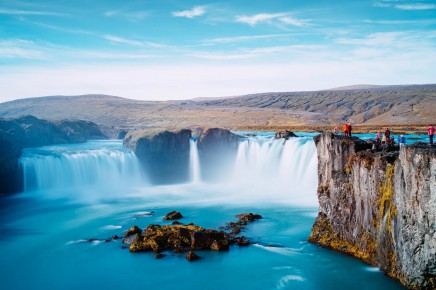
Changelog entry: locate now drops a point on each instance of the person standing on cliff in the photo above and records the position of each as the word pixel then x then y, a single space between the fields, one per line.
pixel 387 133
pixel 430 134
pixel 349 129
pixel 346 133
pixel 336 130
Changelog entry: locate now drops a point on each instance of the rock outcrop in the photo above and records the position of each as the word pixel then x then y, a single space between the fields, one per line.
pixel 379 206
pixel 217 149
pixel 284 134
pixel 29 131
pixel 164 155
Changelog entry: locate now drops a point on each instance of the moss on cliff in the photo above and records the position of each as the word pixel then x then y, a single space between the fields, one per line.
pixel 362 247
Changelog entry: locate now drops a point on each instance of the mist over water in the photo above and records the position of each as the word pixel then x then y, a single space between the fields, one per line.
pixel 264 170
pixel 98 189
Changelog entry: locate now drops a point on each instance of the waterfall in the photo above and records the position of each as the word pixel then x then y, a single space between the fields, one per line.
pixel 277 167
pixel 264 169
pixel 102 166
pixel 194 162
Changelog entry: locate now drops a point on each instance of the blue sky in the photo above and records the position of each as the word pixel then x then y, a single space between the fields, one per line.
pixel 168 49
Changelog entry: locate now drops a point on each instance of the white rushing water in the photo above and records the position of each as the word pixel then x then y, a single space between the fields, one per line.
pixel 194 164
pixel 95 167
pixel 264 170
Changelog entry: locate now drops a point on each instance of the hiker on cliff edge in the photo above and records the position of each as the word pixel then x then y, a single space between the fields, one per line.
pixel 346 132
pixel 430 134
pixel 349 129
pixel 387 133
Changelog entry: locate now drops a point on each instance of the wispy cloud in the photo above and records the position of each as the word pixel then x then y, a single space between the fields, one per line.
pixel 129 15
pixel 255 52
pixel 280 18
pixel 418 6
pixel 245 38
pixel 54 27
pixel 258 18
pixel 122 40
pixel 194 12
pixel 29 12
pixel 411 6
pixel 20 49
pixel 402 22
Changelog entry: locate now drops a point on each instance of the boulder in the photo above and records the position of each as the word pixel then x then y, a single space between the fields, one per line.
pixel 191 256
pixel 133 230
pixel 174 215
pixel 284 134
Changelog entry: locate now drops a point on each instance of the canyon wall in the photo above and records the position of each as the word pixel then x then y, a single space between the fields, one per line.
pixel 379 206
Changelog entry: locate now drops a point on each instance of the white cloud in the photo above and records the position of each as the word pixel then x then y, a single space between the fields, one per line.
pixel 29 12
pixel 244 38
pixel 277 18
pixel 416 6
pixel 129 15
pixel 122 40
pixel 262 17
pixel 20 49
pixel 194 12
pixel 293 21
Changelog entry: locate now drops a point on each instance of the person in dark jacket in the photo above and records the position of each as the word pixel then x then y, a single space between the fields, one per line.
pixel 387 133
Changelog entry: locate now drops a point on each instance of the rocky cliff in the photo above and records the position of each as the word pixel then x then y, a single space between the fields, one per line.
pixel 29 131
pixel 164 155
pixel 379 207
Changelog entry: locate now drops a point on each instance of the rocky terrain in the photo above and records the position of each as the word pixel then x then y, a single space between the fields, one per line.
pixel 370 106
pixel 379 206
pixel 29 131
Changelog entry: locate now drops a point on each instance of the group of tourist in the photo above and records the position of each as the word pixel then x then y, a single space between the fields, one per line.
pixel 385 138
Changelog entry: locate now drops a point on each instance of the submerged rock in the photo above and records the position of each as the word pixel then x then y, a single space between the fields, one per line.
pixel 174 215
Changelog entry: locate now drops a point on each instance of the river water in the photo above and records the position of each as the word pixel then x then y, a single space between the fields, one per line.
pixel 94 190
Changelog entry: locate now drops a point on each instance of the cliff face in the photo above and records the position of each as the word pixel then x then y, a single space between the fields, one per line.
pixel 164 155
pixel 29 131
pixel 379 208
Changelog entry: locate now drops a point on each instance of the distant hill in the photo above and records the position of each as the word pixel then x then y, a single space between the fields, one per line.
pixel 374 105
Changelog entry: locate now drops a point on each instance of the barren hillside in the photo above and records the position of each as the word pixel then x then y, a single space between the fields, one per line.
pixel 400 105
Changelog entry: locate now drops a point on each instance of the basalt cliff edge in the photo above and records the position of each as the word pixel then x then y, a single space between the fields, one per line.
pixel 379 206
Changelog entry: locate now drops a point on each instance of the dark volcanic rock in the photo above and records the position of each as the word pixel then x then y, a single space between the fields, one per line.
pixel 183 238
pixel 164 155
pixel 174 215
pixel 217 149
pixel 285 134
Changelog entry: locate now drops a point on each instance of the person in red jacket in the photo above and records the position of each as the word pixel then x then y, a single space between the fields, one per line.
pixel 346 133
pixel 431 133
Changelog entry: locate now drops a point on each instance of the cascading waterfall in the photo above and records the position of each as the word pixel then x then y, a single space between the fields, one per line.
pixel 103 166
pixel 278 167
pixel 264 169
pixel 194 162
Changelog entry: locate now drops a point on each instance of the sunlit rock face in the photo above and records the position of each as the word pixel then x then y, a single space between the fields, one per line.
pixel 164 155
pixel 29 131
pixel 379 207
